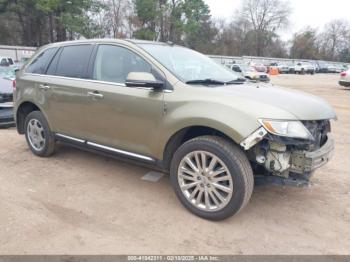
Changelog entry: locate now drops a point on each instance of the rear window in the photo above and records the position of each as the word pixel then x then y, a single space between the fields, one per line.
pixel 39 65
pixel 10 61
pixel 73 61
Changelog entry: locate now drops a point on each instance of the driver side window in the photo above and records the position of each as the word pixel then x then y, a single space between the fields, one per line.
pixel 114 63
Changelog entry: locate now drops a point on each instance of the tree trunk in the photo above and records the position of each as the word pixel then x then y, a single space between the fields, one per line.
pixel 51 28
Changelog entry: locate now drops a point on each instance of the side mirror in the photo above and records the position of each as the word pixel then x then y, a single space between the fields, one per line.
pixel 143 79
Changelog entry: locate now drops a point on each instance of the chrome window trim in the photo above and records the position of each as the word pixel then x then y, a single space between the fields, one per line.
pixel 77 79
pixel 95 81
pixel 71 138
pixel 120 151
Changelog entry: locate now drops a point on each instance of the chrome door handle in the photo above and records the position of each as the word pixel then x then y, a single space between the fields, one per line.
pixel 44 86
pixel 95 94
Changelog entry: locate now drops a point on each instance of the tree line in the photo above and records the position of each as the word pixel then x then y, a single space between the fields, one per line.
pixel 254 29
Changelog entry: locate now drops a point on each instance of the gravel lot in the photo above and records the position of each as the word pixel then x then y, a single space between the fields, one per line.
pixel 80 203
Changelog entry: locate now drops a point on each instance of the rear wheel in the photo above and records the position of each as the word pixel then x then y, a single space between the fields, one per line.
pixel 211 177
pixel 39 137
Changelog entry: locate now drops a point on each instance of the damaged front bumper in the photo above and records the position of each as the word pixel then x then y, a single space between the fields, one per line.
pixel 304 162
pixel 286 161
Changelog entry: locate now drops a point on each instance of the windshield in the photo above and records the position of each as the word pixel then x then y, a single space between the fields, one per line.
pixel 189 65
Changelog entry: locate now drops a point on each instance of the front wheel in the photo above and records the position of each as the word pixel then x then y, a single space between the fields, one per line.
pixel 212 177
pixel 39 137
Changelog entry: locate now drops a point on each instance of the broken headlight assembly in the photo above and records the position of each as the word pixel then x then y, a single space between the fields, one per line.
pixel 294 129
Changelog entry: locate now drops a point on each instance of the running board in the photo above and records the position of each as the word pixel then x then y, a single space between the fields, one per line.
pixel 87 144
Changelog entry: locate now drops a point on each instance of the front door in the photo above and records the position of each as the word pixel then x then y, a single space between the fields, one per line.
pixel 118 117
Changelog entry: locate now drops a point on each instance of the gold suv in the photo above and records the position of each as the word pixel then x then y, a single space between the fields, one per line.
pixel 176 110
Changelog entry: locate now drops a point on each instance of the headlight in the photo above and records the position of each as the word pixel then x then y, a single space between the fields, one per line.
pixel 286 128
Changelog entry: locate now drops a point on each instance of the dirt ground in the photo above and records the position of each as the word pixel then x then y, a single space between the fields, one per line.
pixel 80 203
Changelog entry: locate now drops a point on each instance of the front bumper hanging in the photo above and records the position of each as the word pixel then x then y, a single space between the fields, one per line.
pixel 304 162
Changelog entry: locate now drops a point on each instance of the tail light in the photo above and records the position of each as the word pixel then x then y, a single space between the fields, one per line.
pixel 14 85
pixel 343 74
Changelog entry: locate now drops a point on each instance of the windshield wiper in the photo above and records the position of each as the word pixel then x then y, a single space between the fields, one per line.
pixel 237 81
pixel 205 82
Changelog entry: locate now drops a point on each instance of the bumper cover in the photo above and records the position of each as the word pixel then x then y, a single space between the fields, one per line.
pixel 6 117
pixel 344 83
pixel 305 162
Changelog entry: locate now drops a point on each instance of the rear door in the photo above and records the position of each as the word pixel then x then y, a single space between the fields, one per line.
pixel 118 116
pixel 63 87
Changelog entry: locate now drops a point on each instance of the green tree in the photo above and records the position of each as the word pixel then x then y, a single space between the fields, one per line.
pixel 147 14
pixel 43 21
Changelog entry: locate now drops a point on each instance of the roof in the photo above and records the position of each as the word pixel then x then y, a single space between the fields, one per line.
pixel 107 40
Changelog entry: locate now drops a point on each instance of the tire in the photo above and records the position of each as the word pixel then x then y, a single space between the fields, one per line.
pixel 43 142
pixel 239 177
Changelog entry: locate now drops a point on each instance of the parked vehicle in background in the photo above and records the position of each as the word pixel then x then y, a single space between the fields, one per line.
pixel 339 68
pixel 6 61
pixel 316 66
pixel 259 67
pixel 291 67
pixel 7 85
pixel 282 68
pixel 6 114
pixel 250 73
pixel 304 68
pixel 322 67
pixel 331 68
pixel 345 78
pixel 174 109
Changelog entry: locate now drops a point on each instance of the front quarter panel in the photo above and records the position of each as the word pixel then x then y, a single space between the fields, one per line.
pixel 186 109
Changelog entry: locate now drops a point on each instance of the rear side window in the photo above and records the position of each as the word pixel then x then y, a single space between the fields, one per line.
pixel 38 66
pixel 73 61
pixel 3 62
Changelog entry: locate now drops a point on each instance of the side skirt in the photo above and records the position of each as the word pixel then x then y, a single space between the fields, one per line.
pixel 107 151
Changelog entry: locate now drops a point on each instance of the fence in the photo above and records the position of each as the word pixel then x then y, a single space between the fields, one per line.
pixel 16 52
pixel 266 60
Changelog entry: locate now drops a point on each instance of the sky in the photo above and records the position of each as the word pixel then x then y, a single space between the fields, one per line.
pixel 314 13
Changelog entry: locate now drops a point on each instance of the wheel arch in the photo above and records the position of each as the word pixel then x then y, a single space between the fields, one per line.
pixel 25 108
pixel 185 134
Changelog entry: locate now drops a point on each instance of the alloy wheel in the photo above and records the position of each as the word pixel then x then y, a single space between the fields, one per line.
pixel 205 181
pixel 36 134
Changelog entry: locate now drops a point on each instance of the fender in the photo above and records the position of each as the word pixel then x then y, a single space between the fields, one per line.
pixel 219 117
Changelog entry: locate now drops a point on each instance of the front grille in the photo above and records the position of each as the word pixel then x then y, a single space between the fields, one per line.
pixel 319 130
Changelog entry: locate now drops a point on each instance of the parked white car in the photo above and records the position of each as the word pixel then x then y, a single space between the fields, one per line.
pixel 345 78
pixel 250 73
pixel 304 68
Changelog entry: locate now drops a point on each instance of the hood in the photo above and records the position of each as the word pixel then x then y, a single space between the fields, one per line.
pixel 266 100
